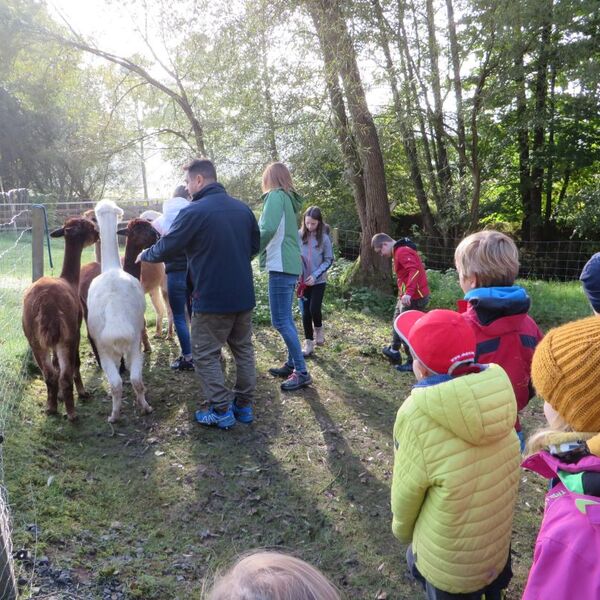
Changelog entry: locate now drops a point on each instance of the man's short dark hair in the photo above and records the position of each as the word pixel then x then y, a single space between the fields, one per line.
pixel 201 166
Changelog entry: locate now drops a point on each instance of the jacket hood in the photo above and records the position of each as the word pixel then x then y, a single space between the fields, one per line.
pixel 479 408
pixel 547 465
pixel 171 208
pixel 294 196
pixel 493 303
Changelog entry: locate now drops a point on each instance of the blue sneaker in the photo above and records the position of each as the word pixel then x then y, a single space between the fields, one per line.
pixel 243 414
pixel 405 368
pixel 521 437
pixel 211 417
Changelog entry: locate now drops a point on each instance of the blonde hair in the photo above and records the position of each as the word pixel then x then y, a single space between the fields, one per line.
pixel 379 239
pixel 277 175
pixel 273 576
pixel 490 256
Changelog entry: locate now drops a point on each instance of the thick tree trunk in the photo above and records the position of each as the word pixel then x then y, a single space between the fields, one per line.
pixel 373 269
pixel 408 139
pixel 341 124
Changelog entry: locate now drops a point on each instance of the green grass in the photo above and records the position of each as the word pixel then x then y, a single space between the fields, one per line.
pixel 158 503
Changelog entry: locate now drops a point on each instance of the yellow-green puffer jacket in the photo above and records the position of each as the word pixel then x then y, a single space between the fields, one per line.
pixel 456 473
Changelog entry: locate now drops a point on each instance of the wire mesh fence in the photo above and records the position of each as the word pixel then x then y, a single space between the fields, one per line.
pixel 557 260
pixel 15 276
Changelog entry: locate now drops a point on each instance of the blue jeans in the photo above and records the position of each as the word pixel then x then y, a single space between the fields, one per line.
pixel 179 299
pixel 282 288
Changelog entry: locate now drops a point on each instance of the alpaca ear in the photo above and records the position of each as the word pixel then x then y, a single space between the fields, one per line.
pixel 124 231
pixel 58 232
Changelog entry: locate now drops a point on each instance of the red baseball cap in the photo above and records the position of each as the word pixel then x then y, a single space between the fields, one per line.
pixel 441 339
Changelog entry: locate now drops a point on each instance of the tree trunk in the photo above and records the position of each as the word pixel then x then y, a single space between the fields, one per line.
pixel 550 170
pixel 412 100
pixel 537 148
pixel 460 119
pixel 341 125
pixel 523 142
pixel 269 112
pixel 373 269
pixel 408 139
pixel 475 164
pixel 438 115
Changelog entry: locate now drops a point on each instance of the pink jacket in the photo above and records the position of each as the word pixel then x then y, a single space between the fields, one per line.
pixel 565 561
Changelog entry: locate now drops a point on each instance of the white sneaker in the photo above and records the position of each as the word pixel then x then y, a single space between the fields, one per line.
pixel 319 336
pixel 308 347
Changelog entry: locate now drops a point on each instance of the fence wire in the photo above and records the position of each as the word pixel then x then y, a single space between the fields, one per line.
pixel 15 276
pixel 560 260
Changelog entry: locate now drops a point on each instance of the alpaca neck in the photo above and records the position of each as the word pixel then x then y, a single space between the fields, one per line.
pixel 107 223
pixel 98 251
pixel 72 261
pixel 129 265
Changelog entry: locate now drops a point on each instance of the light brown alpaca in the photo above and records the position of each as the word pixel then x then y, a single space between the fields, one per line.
pixel 52 315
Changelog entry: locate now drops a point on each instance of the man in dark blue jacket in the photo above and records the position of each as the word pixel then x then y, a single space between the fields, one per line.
pixel 219 235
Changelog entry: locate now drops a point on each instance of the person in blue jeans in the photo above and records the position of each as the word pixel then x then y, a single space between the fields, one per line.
pixel 280 256
pixel 177 280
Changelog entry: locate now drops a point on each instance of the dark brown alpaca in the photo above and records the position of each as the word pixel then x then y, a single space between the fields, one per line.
pixel 52 315
pixel 140 235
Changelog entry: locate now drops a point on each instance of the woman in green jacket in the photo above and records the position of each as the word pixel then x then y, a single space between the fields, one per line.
pixel 280 256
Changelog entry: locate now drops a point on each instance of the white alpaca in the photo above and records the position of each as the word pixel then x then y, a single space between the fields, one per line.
pixel 116 306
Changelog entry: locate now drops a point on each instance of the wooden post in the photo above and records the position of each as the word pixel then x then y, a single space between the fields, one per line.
pixel 37 241
pixel 335 236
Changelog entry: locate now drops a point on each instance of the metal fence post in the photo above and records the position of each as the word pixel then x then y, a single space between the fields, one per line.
pixel 38 222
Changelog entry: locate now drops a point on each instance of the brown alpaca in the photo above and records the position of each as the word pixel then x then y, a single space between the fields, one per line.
pixel 141 235
pixel 52 315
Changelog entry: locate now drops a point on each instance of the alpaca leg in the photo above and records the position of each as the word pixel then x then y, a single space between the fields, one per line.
pixel 94 349
pixel 166 302
pixel 136 365
pixel 159 308
pixel 116 386
pixel 65 379
pixel 81 391
pixel 145 339
pixel 45 363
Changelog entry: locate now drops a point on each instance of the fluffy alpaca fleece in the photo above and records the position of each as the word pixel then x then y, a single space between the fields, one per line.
pixel 116 306
pixel 52 317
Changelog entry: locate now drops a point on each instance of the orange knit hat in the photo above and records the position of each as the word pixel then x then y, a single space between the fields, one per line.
pixel 565 371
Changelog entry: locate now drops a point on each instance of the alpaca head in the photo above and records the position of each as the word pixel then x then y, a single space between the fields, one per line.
pixel 107 207
pixel 140 232
pixel 80 229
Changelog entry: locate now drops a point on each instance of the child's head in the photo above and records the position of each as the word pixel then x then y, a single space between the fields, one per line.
pixel 564 372
pixel 590 280
pixel 312 222
pixel 383 244
pixel 441 341
pixel 486 259
pixel 273 576
pixel 181 191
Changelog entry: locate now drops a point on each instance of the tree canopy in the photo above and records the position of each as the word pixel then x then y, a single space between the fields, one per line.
pixel 459 112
